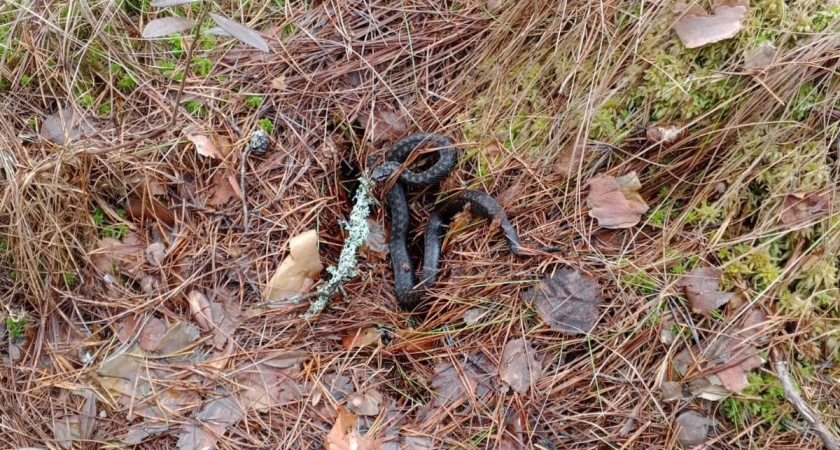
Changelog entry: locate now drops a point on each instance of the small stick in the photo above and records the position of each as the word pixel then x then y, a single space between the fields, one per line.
pixel 799 404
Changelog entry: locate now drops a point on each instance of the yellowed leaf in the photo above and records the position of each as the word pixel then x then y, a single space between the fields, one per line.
pixel 298 269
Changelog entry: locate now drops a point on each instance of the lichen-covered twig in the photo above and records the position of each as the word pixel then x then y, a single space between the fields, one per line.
pixel 793 397
pixel 345 271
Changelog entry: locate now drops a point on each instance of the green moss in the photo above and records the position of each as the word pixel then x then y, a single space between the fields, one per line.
pixel 16 326
pixel 266 125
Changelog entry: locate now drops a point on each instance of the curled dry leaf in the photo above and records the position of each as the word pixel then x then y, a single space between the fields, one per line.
pixel 568 301
pixel 141 209
pixel 213 420
pixel 664 133
pixel 205 145
pixel 693 428
pixel 799 207
pixel 615 202
pixel 166 25
pixel 365 404
pixel 225 186
pixel 361 337
pixel 298 270
pixel 155 253
pixel 701 288
pixel 200 310
pixel 285 360
pixel 696 28
pixel 518 366
pixel 760 58
pixel 66 125
pixel 375 244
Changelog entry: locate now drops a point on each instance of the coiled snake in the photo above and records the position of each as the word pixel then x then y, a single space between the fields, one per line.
pixel 409 293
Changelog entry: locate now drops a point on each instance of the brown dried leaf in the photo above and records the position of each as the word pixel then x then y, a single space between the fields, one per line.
pixel 66 125
pixel 205 145
pixel 87 416
pixel 375 244
pixel 302 264
pixel 127 255
pixel 141 209
pixel 66 431
pixel 417 443
pixel 288 359
pixel 568 301
pixel 213 419
pixel 138 433
pixel 200 310
pixel 696 28
pixel 338 438
pixel 570 160
pixel 365 404
pixel 671 391
pixel 384 124
pixel 226 319
pixel 760 58
pixel 615 202
pixel 177 338
pixel 693 428
pixel 241 33
pixel 279 83
pixel 361 337
pixel 708 388
pixel 448 385
pixel 518 366
pixel 264 387
pixel 152 334
pixel 225 187
pixel 726 361
pixel 155 253
pixel 701 288
pixel 799 207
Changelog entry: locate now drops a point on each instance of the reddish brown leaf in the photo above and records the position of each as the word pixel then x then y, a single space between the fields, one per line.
pixel 615 202
pixel 140 210
pixel 263 387
pixel 177 338
pixel 518 366
pixel 361 337
pixel 338 438
pixel 152 334
pixel 701 288
pixel 568 301
pixel 205 145
pixel 127 255
pixel 696 28
pixel 285 360
pixel 225 187
pixel 799 207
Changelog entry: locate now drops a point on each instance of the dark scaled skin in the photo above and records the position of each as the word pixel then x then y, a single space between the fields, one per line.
pixel 409 293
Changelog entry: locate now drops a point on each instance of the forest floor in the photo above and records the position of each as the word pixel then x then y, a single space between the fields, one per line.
pixel 148 244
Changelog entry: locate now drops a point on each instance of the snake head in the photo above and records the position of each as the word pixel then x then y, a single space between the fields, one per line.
pixel 384 171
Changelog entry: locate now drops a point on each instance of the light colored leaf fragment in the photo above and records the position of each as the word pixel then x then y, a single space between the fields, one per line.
pixel 225 187
pixel 799 207
pixel 693 428
pixel 696 28
pixel 167 3
pixel 217 31
pixel 213 419
pixel 166 26
pixel 205 145
pixel 299 268
pixel 66 125
pixel 615 202
pixel 518 366
pixel 177 338
pixel 200 310
pixel 365 404
pixel 568 301
pixel 152 334
pixel 286 360
pixel 155 253
pixel 701 288
pixel 671 391
pixel 760 58
pixel 241 32
pixel 361 337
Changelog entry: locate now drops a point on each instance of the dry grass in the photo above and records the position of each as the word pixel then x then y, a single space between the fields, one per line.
pixel 519 86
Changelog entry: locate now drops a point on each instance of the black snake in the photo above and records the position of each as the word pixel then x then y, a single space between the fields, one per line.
pixel 481 204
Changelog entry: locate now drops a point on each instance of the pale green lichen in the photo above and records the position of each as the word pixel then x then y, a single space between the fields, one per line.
pixel 345 271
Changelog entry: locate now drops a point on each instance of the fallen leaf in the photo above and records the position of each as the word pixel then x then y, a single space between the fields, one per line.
pixel 671 391
pixel 473 315
pixel 384 124
pixel 760 58
pixel 702 289
pixel 205 145
pixel 361 337
pixel 375 244
pixel 615 202
pixel 155 253
pixel 344 436
pixel 140 432
pixel 87 416
pixel 166 25
pixel 708 388
pixel 126 255
pixel 141 209
pixel 518 366
pixel 570 160
pixel 264 387
pixel 226 319
pixel 696 28
pixel 568 301
pixel 365 404
pixel 302 264
pixel 693 428
pixel 798 207
pixel 177 338
pixel 285 360
pixel 417 443
pixel 200 310
pixel 241 32
pixel 225 187
pixel 450 387
pixel 664 133
pixel 66 125
pixel 725 359
pixel 214 419
pixel 217 31
pixel 66 431
pixel 167 3
pixel 279 83
pixel 152 334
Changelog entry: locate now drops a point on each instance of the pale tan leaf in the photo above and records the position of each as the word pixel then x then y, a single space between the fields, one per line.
pixel 87 416
pixel 177 338
pixel 285 360
pixel 279 83
pixel 337 438
pixel 361 337
pixel 241 32
pixel 799 207
pixel 518 366
pixel 375 244
pixel 615 202
pixel 696 28
pixel 200 310
pixel 152 333
pixel 671 391
pixel 664 133
pixel 126 255
pixel 205 145
pixel 167 25
pixel 263 387
pixel 365 404
pixel 302 264
pixel 66 125
pixel 213 421
pixel 155 253
pixel 225 187
pixel 760 58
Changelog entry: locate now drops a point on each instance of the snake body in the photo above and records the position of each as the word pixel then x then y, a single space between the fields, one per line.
pixel 409 293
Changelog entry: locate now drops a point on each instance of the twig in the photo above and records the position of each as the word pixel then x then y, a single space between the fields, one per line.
pixel 799 404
